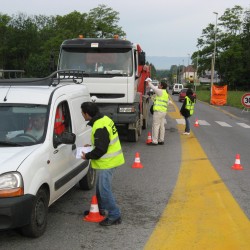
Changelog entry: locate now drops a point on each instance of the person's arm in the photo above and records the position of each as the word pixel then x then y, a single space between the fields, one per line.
pixel 155 88
pixel 101 144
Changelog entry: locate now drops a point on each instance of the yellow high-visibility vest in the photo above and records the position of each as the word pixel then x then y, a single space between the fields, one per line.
pixel 114 156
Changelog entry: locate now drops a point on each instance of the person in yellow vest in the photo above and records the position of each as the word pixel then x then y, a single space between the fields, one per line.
pixel 187 109
pixel 160 107
pixel 105 157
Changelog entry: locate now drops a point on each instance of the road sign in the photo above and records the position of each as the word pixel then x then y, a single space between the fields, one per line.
pixel 245 100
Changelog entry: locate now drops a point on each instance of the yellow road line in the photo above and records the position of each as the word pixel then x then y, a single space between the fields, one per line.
pixel 201 213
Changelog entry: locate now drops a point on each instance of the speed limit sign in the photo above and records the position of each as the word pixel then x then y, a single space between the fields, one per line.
pixel 245 100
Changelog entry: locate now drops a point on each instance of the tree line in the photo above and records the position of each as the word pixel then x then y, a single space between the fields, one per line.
pixel 231 38
pixel 26 42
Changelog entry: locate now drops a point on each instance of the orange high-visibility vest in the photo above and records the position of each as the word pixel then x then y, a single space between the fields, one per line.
pixel 59 122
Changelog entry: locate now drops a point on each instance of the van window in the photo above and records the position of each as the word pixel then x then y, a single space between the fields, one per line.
pixel 62 121
pixel 23 125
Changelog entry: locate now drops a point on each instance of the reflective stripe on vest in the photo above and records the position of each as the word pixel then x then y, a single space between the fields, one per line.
pixel 114 155
pixel 161 102
pixel 189 105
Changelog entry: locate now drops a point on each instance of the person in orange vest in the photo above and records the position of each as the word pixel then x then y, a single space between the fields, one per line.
pixel 59 121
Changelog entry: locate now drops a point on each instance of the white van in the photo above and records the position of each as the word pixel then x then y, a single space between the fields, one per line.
pixel 177 88
pixel 38 161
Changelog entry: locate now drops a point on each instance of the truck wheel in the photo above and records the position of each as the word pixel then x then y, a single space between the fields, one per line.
pixel 39 214
pixel 133 135
pixel 88 181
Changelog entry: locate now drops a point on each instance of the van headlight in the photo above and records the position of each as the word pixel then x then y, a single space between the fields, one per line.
pixel 11 184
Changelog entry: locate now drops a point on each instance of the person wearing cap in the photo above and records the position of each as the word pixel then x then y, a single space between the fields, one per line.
pixel 160 110
pixel 187 109
pixel 105 157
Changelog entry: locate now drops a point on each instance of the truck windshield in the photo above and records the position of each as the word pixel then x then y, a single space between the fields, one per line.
pixel 101 61
pixel 22 125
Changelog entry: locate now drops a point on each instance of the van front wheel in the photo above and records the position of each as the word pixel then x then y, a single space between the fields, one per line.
pixel 39 215
pixel 88 181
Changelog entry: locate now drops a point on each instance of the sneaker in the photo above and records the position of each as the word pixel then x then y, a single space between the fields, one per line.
pixel 161 143
pixel 186 133
pixel 102 212
pixel 152 144
pixel 108 222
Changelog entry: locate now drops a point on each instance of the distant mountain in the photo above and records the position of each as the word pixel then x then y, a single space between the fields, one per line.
pixel 165 62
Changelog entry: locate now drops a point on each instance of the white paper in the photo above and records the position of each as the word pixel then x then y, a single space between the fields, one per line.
pixel 85 150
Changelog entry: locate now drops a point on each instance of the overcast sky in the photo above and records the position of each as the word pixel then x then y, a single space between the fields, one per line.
pixel 162 27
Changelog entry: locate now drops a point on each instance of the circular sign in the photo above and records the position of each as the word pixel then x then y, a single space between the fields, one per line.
pixel 245 100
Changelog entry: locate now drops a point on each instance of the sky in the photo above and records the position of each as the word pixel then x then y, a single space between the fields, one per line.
pixel 161 27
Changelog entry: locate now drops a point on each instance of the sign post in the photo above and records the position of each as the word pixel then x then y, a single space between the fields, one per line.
pixel 245 101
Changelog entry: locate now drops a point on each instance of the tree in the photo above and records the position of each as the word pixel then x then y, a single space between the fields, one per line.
pixel 26 42
pixel 231 58
pixel 103 22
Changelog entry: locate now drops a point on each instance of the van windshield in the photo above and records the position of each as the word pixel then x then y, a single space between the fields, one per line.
pixel 97 62
pixel 22 125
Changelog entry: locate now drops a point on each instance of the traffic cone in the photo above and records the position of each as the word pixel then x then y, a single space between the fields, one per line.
pixel 149 140
pixel 94 215
pixel 237 165
pixel 196 124
pixel 137 163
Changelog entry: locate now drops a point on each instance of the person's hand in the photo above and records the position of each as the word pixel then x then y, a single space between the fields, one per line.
pixel 83 156
pixel 148 80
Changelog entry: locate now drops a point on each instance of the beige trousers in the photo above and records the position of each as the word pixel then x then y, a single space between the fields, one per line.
pixel 158 127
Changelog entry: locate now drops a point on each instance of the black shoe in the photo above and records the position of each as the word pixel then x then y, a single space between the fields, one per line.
pixel 102 212
pixel 161 143
pixel 108 222
pixel 152 144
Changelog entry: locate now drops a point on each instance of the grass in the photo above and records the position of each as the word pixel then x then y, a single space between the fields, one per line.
pixel 233 97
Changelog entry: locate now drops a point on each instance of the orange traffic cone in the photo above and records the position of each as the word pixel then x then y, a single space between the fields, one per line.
pixel 149 140
pixel 137 163
pixel 94 215
pixel 237 165
pixel 196 124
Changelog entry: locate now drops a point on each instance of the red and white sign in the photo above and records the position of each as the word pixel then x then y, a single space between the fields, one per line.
pixel 245 100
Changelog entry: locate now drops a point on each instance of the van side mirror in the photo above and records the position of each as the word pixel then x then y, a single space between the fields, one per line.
pixel 64 138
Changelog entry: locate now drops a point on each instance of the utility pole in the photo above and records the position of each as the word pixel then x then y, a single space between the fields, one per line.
pixel 213 57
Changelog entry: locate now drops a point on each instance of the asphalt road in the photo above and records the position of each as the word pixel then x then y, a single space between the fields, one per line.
pixel 143 194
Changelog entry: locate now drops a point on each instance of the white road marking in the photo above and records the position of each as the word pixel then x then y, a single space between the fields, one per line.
pixel 223 124
pixel 180 121
pixel 243 125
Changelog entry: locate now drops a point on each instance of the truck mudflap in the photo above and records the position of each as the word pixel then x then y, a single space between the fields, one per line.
pixel 15 211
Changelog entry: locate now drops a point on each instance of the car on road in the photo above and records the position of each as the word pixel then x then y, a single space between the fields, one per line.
pixel 182 94
pixel 177 88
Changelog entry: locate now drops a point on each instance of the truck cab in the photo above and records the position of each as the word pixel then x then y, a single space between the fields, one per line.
pixel 114 73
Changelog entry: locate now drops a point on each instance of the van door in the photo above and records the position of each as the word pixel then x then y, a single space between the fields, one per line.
pixel 63 163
